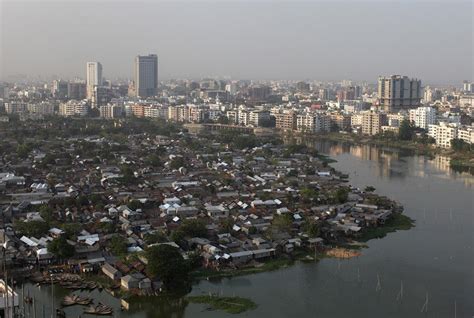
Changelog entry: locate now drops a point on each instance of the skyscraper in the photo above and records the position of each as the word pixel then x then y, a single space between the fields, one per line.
pixel 399 92
pixel 146 75
pixel 93 77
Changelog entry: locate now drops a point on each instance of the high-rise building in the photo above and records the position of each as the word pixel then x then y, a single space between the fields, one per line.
pixel 76 90
pixel 398 92
pixel 146 75
pixel 93 77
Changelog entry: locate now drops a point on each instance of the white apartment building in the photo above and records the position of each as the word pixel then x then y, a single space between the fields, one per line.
pixel 43 108
pixel 356 120
pixel 110 111
pixel 244 118
pixel 313 123
pixel 423 117
pixel 73 108
pixel 15 107
pixel 466 133
pixel 443 133
pixel 233 116
pixel 258 117
pixel 93 77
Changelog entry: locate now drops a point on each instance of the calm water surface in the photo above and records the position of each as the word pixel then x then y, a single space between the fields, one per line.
pixel 433 261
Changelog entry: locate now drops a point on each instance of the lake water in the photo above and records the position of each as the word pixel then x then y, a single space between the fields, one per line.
pixel 434 261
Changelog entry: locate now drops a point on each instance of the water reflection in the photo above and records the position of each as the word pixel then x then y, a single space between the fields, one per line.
pixel 390 162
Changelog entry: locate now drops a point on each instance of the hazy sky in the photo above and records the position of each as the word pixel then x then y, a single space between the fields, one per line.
pixel 256 39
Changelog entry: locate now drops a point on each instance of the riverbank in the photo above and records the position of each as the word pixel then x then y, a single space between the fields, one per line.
pixel 460 161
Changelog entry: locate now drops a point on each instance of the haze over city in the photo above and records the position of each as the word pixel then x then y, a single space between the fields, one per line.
pixel 236 158
pixel 318 40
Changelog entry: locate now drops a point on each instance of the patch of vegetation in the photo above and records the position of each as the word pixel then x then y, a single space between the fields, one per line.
pixel 396 223
pixel 268 266
pixel 231 305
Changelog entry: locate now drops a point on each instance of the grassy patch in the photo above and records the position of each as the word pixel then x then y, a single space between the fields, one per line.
pixel 325 158
pixel 271 265
pixel 231 305
pixel 395 223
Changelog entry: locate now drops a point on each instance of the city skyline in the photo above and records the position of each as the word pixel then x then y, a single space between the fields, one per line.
pixel 241 43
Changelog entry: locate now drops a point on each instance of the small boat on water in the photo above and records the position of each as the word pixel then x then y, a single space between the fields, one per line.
pixel 76 300
pixel 100 309
pixel 60 313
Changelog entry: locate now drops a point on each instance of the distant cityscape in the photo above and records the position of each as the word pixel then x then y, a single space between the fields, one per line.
pixel 301 106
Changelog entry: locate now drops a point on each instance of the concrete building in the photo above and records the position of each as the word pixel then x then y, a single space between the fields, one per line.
pixel 313 123
pixel 110 111
pixel 101 95
pixel 286 121
pixel 258 117
pixel 146 75
pixel 43 108
pixel 443 133
pixel 73 108
pixel 398 92
pixel 423 117
pixel 356 120
pixel 93 77
pixel 372 122
pixel 466 133
pixel 15 107
pixel 59 89
pixel 76 90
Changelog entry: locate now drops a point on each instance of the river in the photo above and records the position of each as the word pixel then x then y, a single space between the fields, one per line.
pixel 427 271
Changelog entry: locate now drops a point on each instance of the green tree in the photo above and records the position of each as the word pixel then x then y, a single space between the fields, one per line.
pixel 283 222
pixel 460 145
pixel 118 245
pixel 405 131
pixel 60 248
pixel 177 162
pixel 308 194
pixel 46 213
pixel 369 189
pixel 194 228
pixel 167 263
pixel 312 229
pixel 342 195
pixel 23 150
pixel 32 228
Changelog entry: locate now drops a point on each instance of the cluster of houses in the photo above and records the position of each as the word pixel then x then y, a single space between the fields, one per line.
pixel 234 194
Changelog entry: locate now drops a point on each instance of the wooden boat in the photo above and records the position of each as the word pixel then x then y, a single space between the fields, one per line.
pixel 76 300
pixel 100 309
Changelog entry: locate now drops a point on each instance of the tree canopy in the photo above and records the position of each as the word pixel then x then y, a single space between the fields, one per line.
pixel 167 263
pixel 61 248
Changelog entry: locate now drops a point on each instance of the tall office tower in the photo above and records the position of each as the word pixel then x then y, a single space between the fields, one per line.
pixel 93 77
pixel 146 75
pixel 399 92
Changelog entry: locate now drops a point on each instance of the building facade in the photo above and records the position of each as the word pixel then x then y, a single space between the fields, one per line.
pixel 93 77
pixel 422 117
pixel 398 92
pixel 146 75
